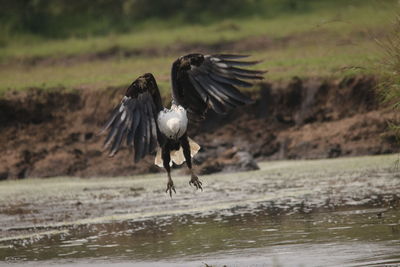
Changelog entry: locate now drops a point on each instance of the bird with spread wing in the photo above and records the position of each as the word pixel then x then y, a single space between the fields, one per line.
pixel 199 82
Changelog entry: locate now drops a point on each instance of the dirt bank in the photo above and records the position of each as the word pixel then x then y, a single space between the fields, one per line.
pixel 53 133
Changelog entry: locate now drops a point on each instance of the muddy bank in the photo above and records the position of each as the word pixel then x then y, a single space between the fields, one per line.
pixel 279 188
pixel 54 133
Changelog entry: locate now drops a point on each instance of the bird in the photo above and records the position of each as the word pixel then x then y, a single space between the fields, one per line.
pixel 199 82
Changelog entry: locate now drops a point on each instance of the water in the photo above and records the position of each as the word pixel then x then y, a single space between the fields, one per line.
pixel 351 237
pixel 349 217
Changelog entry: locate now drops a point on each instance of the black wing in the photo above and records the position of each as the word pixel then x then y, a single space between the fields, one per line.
pixel 202 81
pixel 135 118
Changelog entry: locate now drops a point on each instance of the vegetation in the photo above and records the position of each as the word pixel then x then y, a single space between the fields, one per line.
pixel 63 18
pixel 303 38
pixel 390 67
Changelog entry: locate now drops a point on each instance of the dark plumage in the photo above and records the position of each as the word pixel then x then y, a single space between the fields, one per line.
pixel 203 81
pixel 134 119
pixel 199 82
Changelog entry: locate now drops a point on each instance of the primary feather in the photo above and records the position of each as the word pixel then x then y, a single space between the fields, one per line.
pixel 203 81
pixel 134 119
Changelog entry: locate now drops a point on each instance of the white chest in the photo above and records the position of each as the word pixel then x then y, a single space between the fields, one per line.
pixel 173 122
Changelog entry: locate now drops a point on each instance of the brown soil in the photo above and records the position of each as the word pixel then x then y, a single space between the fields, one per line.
pixel 54 133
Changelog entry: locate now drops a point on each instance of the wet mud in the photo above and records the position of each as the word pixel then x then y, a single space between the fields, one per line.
pixel 345 209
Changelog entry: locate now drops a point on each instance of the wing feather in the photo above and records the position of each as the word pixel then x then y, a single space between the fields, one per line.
pixel 201 81
pixel 217 93
pixel 248 76
pixel 114 129
pixel 229 93
pixel 231 63
pixel 227 80
pixel 246 72
pixel 230 56
pixel 153 128
pixel 135 119
pixel 233 93
pixel 114 113
pixel 118 138
pixel 133 127
pixel 140 138
pixel 202 92
pixel 147 130
pixel 215 102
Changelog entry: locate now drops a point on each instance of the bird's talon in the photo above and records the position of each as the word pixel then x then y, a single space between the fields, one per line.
pixel 170 188
pixel 196 182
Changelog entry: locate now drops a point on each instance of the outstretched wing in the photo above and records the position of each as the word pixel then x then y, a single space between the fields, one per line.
pixel 135 118
pixel 203 81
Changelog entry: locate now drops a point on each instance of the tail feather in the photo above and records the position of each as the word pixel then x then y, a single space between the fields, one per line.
pixel 177 155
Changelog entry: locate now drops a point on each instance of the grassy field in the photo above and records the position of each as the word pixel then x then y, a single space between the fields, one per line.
pixel 327 42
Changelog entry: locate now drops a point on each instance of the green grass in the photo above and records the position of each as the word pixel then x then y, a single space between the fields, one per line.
pixel 98 74
pixel 342 21
pixel 327 43
pixel 389 67
pixel 309 61
pixel 327 61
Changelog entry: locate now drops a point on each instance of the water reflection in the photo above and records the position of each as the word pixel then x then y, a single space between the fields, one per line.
pixel 237 234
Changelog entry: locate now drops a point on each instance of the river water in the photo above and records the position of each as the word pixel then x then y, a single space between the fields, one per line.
pixel 342 212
